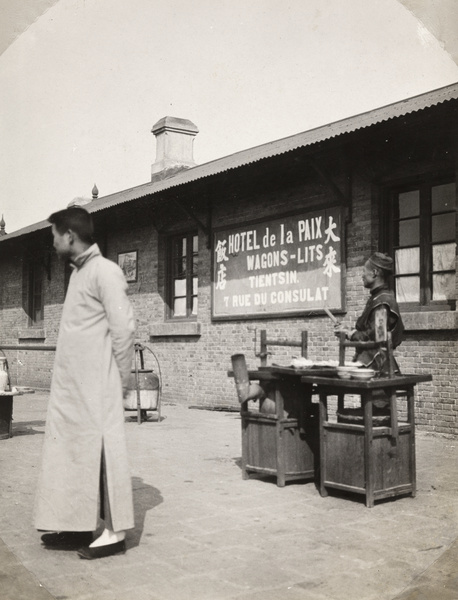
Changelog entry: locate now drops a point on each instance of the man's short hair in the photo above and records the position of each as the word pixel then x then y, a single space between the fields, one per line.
pixel 75 218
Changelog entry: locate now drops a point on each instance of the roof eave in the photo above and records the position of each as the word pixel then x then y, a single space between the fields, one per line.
pixel 243 158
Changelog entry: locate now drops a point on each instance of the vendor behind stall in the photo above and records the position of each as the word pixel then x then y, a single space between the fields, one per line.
pixel 375 276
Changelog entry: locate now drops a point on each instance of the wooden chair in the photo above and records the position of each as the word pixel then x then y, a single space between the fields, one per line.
pixel 384 343
pixel 265 342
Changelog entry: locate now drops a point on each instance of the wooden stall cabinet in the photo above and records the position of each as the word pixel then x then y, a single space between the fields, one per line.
pixel 375 457
pixel 282 443
pixel 6 415
pixel 280 433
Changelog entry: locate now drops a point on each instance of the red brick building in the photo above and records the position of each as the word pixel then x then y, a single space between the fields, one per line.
pixel 264 239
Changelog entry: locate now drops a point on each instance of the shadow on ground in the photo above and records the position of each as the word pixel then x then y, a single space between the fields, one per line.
pixel 440 581
pixel 26 427
pixel 146 497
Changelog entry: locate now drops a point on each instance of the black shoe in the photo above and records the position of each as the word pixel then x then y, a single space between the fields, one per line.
pixel 103 551
pixel 67 539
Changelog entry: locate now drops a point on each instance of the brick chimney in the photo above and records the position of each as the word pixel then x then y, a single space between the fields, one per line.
pixel 174 147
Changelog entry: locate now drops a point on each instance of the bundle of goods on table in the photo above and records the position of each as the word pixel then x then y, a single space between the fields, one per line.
pixel 351 370
pixel 303 366
pixel 365 450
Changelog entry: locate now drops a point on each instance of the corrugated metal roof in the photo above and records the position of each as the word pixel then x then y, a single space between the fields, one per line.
pixel 275 148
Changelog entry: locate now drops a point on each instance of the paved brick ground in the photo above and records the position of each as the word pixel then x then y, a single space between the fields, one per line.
pixel 204 533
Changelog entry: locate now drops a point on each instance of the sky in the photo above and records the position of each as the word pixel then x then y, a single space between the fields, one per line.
pixel 84 84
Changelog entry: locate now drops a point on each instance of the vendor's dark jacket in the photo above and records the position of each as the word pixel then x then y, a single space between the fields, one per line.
pixel 365 327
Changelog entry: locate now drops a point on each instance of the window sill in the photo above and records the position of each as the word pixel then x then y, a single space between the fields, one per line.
pixel 424 321
pixel 178 329
pixel 31 334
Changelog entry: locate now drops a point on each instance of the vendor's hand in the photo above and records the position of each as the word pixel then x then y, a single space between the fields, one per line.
pixel 339 328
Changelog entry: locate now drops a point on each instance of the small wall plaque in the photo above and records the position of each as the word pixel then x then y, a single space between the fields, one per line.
pixel 128 263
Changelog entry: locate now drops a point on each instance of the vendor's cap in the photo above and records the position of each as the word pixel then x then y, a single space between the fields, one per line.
pixel 382 261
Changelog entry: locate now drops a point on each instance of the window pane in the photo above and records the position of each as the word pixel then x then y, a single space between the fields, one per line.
pixel 179 248
pixel 180 287
pixel 444 257
pixel 443 228
pixel 407 261
pixel 184 250
pixel 179 259
pixel 408 289
pixel 443 197
pixel 409 204
pixel 195 262
pixel 179 307
pixel 409 232
pixel 179 267
pixel 444 286
pixel 35 298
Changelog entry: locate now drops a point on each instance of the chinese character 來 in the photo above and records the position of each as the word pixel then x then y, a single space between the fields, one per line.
pixel 330 266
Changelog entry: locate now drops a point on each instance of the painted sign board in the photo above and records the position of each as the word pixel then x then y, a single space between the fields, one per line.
pixel 285 266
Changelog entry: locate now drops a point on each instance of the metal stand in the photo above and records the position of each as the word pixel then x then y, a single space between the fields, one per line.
pixel 138 353
pixel 138 370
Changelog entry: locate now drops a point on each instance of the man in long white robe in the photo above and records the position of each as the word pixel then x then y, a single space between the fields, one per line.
pixel 85 462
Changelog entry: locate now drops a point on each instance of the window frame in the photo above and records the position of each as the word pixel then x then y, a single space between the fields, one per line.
pixel 35 299
pixel 389 230
pixel 190 274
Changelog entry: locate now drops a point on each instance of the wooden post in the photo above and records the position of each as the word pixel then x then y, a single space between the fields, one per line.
pixel 340 402
pixel 394 418
pixel 341 348
pixel 366 399
pixel 304 344
pixel 323 399
pixel 263 349
pixel 281 458
pixel 245 441
pixel 411 419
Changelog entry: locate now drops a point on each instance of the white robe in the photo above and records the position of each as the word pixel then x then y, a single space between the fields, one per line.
pixel 85 412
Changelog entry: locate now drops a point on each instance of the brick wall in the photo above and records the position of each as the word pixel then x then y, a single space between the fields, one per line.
pixel 194 367
pixel 436 402
pixel 29 367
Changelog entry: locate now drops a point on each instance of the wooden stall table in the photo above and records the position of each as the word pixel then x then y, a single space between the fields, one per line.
pixel 6 414
pixel 377 461
pixel 284 442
